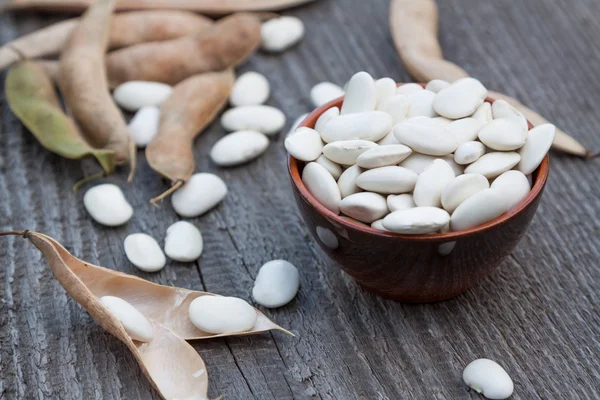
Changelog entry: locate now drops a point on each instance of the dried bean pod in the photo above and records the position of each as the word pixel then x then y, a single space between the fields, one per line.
pixel 32 98
pixel 171 365
pixel 227 43
pixel 193 104
pixel 126 29
pixel 163 359
pixel 82 79
pixel 210 7
pixel 414 26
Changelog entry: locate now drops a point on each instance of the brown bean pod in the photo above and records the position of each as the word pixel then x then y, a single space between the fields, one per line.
pixel 126 29
pixel 193 105
pixel 209 7
pixel 414 26
pixel 82 79
pixel 227 43
pixel 171 365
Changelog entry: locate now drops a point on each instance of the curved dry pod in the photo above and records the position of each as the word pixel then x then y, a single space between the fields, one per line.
pixel 171 365
pixel 126 29
pixel 32 98
pixel 223 45
pixel 193 104
pixel 209 7
pixel 82 79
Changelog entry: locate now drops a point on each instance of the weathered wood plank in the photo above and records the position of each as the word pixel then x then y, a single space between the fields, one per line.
pixel 537 315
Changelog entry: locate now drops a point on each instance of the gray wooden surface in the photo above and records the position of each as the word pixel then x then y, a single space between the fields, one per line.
pixel 538 314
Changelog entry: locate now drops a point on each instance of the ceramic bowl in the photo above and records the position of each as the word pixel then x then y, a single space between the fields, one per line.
pixel 414 268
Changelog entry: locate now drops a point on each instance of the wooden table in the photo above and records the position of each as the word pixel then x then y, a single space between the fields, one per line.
pixel 537 315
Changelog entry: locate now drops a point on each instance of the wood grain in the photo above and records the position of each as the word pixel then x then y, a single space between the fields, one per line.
pixel 538 314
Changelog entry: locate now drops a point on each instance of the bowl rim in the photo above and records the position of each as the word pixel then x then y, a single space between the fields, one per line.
pixel 541 177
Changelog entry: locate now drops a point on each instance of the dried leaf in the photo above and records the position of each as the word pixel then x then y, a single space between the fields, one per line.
pixel 209 7
pixel 414 26
pixel 31 96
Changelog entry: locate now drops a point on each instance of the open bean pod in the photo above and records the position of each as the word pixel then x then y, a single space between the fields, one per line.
pixel 172 366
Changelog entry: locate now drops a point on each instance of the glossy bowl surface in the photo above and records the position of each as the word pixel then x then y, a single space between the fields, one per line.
pixel 413 268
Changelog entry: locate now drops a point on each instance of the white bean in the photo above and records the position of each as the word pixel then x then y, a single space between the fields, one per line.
pixel 493 164
pixel 134 95
pixel 431 183
pixel 431 140
pixel 144 252
pixel 325 117
pixel 503 135
pixel 461 188
pixel 409 88
pixel 478 209
pixel 304 144
pixel 539 141
pixel 322 186
pixel 400 202
pixel 466 129
pixel 279 34
pixel 324 92
pixel 364 207
pixel 334 169
pixel 372 125
pixel 261 118
pixel 383 156
pixel 107 205
pixel 239 148
pixel 459 100
pixel 488 378
pixel 421 104
pixel 387 180
pixel 134 322
pixel 183 242
pixel 360 94
pixel 144 125
pixel 385 89
pixel 514 185
pixel 469 152
pixel 346 152
pixel 484 113
pixel 276 284
pixel 502 109
pixel 347 181
pixel 216 314
pixel 398 107
pixel 201 193
pixel 417 220
pixel 436 85
pixel 250 89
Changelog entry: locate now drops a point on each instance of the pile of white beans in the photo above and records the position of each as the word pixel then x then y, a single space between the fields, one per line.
pixel 416 160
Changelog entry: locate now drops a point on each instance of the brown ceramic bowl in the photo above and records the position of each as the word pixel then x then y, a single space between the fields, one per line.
pixel 410 268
